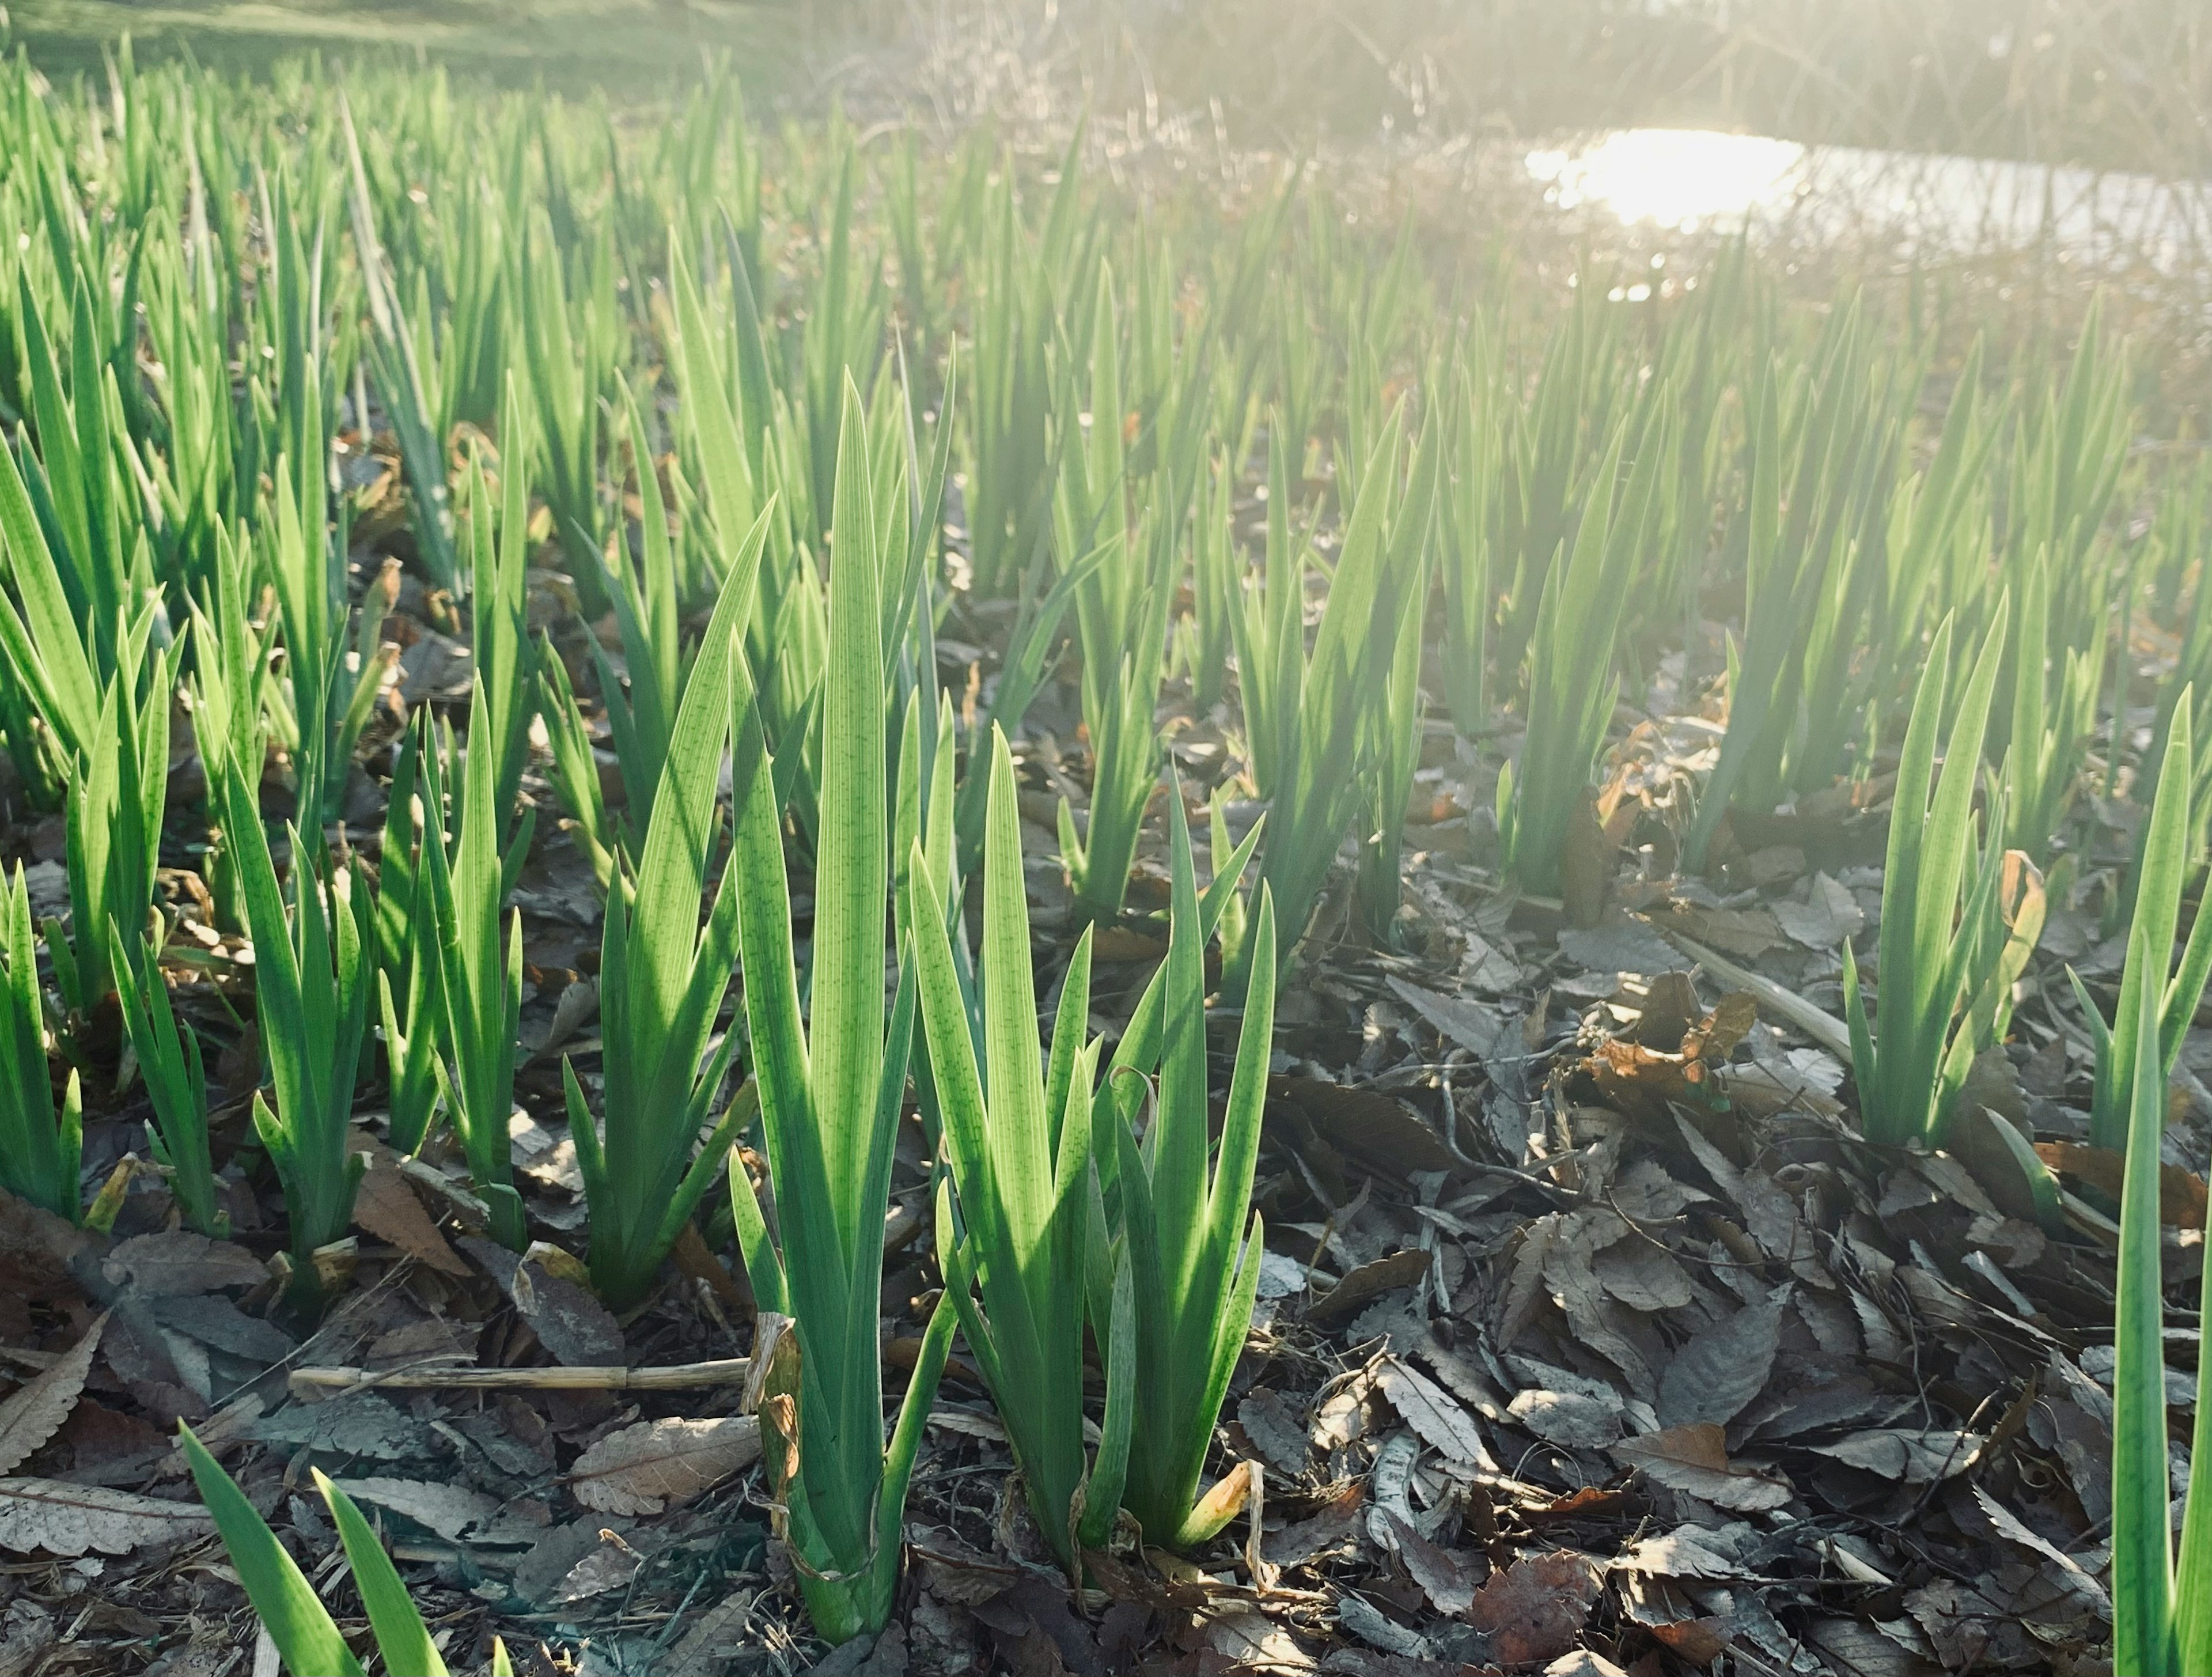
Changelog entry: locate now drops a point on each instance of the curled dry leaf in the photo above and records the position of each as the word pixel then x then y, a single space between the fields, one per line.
pixel 65 1519
pixel 657 1465
pixel 34 1412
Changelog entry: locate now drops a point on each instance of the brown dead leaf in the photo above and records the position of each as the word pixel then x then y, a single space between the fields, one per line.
pixel 1643 1276
pixel 657 1465
pixel 179 1263
pixel 1717 1036
pixel 450 1510
pixel 65 1519
pixel 1535 1610
pixel 1345 1299
pixel 1907 1454
pixel 1747 933
pixel 34 1412
pixel 569 1322
pixel 387 1207
pixel 2181 1194
pixel 1694 1461
pixel 1723 1366
pixel 1277 1428
pixel 1670 1008
pixel 1585 864
pixel 1372 1130
pixel 1446 1576
pixel 1433 1413
pixel 1327 1529
pixel 1482 1030
pixel 1829 915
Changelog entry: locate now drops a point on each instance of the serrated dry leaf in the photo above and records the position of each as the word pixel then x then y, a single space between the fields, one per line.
pixel 1723 1366
pixel 1443 1425
pixel 35 1411
pixel 1643 1276
pixel 65 1519
pixel 1829 915
pixel 1903 1453
pixel 1277 1429
pixel 1694 1461
pixel 447 1510
pixel 387 1207
pixel 1572 1421
pixel 1446 1576
pixel 1370 1281
pixel 656 1465
pixel 1322 1533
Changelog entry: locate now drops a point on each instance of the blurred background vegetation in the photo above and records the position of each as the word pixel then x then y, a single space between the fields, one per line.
pixel 2113 84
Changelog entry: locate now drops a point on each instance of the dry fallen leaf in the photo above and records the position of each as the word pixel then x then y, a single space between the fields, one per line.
pixel 447 1510
pixel 1903 1453
pixel 1446 1576
pixel 1443 1425
pixel 387 1207
pixel 34 1412
pixel 1535 1610
pixel 655 1465
pixel 1484 1031
pixel 2181 1193
pixel 1723 1366
pixel 1277 1428
pixel 1693 1460
pixel 65 1519
pixel 1344 1301
pixel 1377 1131
pixel 1829 915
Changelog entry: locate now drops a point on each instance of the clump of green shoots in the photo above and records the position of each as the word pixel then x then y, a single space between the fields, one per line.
pixel 1960 917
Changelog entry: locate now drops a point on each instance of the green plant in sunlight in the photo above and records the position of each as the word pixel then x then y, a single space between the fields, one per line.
pixel 2165 867
pixel 1183 1210
pixel 312 976
pixel 2162 1607
pixel 1959 916
pixel 118 790
pixel 39 1156
pixel 407 965
pixel 307 1638
pixel 2048 731
pixel 169 1055
pixel 481 992
pixel 662 977
pixel 1015 1213
pixel 1328 713
pixel 1572 678
pixel 831 1090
